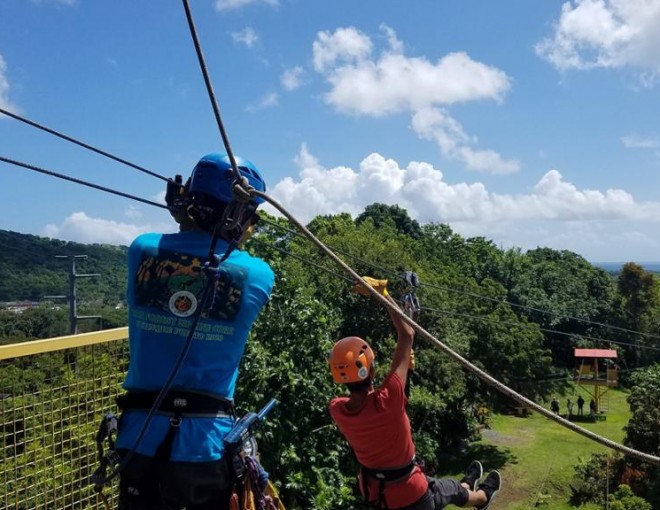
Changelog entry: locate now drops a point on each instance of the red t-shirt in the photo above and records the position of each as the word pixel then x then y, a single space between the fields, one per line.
pixel 379 433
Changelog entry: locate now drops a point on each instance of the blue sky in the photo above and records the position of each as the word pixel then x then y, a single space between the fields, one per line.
pixel 530 123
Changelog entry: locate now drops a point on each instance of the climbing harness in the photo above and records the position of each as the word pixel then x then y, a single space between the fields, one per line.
pixel 384 476
pixel 107 433
pixel 253 491
pixel 177 405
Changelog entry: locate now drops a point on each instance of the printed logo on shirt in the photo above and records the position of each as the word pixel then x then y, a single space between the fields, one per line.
pixel 173 282
pixel 183 303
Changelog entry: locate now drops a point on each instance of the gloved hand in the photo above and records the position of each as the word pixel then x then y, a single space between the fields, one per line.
pixel 177 201
pixel 379 285
pixel 174 190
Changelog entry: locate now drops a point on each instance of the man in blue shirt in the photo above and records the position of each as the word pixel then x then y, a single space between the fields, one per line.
pixel 180 461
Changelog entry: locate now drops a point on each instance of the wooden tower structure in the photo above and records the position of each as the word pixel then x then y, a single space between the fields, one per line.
pixel 596 372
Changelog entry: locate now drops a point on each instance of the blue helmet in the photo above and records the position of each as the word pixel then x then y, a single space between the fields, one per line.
pixel 213 176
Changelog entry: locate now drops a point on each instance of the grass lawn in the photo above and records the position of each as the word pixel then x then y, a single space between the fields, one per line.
pixel 535 456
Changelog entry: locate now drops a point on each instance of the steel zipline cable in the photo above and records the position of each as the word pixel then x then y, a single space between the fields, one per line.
pixel 301 259
pixel 545 330
pixel 452 313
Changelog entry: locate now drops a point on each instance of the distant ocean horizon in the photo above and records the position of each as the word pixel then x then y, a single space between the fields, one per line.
pixel 652 267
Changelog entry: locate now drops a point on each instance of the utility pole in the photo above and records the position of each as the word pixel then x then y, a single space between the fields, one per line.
pixel 73 303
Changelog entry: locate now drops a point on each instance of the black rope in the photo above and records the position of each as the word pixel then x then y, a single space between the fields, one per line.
pixel 209 88
pixel 80 181
pixel 81 144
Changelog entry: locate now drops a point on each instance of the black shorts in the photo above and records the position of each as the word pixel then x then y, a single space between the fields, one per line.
pixel 146 484
pixel 441 492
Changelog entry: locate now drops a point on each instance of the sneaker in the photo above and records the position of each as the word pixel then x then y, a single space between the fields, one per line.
pixel 473 474
pixel 491 486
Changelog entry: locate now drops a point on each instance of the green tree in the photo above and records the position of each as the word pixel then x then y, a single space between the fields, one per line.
pixel 639 310
pixel 562 291
pixel 624 499
pixel 390 216
pixel 643 429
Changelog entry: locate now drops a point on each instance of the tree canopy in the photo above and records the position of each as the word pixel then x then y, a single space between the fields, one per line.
pixel 516 314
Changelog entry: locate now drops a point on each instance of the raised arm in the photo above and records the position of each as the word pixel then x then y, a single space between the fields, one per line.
pixel 404 332
pixel 405 335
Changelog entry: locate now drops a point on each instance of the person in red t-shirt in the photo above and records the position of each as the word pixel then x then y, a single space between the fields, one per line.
pixel 375 424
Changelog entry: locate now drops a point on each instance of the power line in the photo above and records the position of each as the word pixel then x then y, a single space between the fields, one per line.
pixel 545 330
pixel 464 315
pixel 472 294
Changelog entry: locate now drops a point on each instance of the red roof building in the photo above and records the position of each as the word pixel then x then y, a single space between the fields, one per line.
pixel 595 353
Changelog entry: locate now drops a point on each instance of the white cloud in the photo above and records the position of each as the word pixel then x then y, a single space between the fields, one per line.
pixel 247 36
pixel 396 46
pixel 344 45
pixel 268 101
pixel 4 88
pixel 68 3
pixel 394 83
pixel 420 188
pixel 291 79
pixel 227 5
pixel 435 124
pixel 640 142
pixel 554 213
pixel 82 228
pixel 133 212
pixel 159 197
pixel 606 33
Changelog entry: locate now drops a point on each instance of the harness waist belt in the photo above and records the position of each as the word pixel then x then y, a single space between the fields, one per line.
pixel 179 403
pixel 389 474
pixel 383 475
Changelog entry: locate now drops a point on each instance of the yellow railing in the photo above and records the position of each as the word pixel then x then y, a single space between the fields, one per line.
pixel 53 394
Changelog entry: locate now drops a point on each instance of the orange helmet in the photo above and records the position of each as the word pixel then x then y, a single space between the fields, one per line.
pixel 351 360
